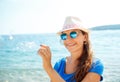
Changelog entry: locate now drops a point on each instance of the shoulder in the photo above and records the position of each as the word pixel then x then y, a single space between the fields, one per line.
pixel 97 67
pixel 97 62
pixel 59 63
pixel 61 60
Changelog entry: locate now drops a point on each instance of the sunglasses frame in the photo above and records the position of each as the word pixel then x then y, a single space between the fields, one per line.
pixel 70 34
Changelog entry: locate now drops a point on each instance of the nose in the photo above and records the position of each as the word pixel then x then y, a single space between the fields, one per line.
pixel 68 37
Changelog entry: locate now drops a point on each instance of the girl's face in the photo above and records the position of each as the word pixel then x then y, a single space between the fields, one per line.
pixel 73 40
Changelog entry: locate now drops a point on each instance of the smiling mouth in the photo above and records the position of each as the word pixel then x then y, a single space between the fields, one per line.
pixel 71 45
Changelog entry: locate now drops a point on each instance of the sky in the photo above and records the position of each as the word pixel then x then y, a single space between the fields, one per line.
pixel 47 16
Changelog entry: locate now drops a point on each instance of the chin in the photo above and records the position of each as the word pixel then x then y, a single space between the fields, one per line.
pixel 74 50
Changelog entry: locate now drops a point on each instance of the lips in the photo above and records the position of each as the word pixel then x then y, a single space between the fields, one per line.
pixel 70 44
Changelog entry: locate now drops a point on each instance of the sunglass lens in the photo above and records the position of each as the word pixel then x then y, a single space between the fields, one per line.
pixel 73 34
pixel 63 36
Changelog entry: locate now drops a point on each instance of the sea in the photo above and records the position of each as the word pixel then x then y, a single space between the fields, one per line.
pixel 19 61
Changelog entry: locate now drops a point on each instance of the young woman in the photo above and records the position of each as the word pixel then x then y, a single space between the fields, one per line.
pixel 80 66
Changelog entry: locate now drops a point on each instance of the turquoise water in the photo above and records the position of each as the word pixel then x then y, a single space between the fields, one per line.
pixel 19 61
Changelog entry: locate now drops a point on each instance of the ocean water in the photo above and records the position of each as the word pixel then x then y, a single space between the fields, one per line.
pixel 19 61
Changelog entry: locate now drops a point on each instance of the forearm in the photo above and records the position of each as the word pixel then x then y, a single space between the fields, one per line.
pixel 91 77
pixel 54 76
pixel 45 53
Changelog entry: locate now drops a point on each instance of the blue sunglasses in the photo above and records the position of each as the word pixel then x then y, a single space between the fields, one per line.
pixel 72 34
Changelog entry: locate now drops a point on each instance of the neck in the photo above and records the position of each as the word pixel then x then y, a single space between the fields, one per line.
pixel 75 55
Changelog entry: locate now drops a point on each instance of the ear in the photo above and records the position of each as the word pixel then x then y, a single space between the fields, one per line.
pixel 85 37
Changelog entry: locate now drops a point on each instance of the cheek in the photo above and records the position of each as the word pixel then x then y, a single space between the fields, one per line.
pixel 80 44
pixel 80 40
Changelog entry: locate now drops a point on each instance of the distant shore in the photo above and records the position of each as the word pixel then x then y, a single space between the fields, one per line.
pixel 107 27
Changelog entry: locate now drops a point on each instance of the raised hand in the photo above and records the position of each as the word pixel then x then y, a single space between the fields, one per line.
pixel 45 53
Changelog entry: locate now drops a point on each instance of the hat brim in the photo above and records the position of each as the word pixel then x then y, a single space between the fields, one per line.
pixel 82 29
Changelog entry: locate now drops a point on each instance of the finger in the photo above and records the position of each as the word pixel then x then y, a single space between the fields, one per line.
pixel 47 48
pixel 44 52
pixel 40 52
pixel 41 48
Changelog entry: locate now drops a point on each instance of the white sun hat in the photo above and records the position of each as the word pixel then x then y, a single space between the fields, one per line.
pixel 72 22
